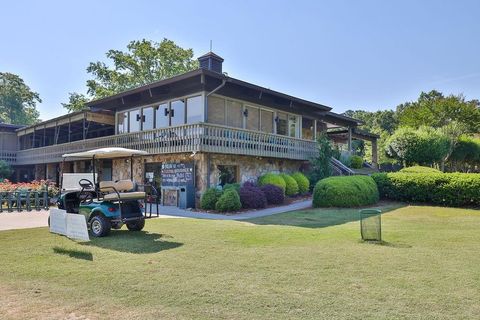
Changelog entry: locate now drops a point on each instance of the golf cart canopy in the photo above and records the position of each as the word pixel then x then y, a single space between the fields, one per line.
pixel 106 153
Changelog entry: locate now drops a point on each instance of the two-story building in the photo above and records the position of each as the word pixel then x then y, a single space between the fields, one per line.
pixel 228 129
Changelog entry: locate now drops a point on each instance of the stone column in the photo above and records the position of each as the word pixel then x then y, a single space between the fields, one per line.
pixel 51 173
pixel 349 141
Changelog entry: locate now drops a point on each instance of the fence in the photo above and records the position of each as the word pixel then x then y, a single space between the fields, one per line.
pixel 24 200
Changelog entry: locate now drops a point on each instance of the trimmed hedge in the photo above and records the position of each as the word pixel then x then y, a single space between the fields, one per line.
pixel 234 186
pixel 252 197
pixel 420 169
pixel 272 178
pixel 274 194
pixel 345 191
pixel 446 189
pixel 291 186
pixel 229 201
pixel 302 182
pixel 356 162
pixel 210 198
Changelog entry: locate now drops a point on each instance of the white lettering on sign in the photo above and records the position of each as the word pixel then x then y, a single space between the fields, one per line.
pixel 58 221
pixel 71 225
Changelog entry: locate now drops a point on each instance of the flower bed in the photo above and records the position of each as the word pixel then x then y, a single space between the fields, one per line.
pixel 36 185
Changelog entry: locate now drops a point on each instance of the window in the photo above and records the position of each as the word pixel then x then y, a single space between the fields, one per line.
pixel 161 116
pixel 194 109
pixel 228 174
pixel 266 121
pixel 216 110
pixel 177 112
pixel 292 126
pixel 253 118
pixel 134 121
pixel 147 118
pixel 308 128
pixel 122 126
pixel 282 123
pixel 234 114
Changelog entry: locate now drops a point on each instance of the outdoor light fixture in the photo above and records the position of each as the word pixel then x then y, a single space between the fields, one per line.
pixel 245 112
pixel 276 119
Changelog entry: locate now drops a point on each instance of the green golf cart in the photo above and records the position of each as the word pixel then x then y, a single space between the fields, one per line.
pixel 105 204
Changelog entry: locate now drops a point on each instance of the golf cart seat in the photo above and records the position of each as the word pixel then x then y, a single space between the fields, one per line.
pixel 120 190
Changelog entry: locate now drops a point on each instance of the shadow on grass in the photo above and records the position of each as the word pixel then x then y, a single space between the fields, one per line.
pixel 388 244
pixel 321 217
pixel 139 242
pixel 72 253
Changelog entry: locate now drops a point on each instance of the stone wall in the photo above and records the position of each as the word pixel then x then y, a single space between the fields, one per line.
pixel 250 168
pixel 40 171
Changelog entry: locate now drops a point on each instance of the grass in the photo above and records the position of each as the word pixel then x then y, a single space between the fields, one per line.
pixel 302 265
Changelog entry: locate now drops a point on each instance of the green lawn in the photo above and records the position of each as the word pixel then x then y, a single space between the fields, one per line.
pixel 301 265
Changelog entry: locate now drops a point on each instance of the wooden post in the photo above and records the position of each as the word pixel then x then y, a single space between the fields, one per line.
pixel 349 139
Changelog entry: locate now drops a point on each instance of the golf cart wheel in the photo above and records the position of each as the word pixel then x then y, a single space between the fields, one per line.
pixel 136 225
pixel 100 226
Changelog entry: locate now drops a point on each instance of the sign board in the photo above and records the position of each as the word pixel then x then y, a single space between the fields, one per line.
pixel 77 227
pixel 178 174
pixel 71 225
pixel 58 221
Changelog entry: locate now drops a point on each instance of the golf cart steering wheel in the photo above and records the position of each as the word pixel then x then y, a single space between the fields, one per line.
pixel 86 196
pixel 86 184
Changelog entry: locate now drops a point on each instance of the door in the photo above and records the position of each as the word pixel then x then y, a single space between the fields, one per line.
pixel 153 174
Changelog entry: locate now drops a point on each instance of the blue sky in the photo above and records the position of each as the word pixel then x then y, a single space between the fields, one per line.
pixel 345 54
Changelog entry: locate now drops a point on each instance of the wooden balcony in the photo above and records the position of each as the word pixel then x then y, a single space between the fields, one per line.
pixel 201 137
pixel 8 156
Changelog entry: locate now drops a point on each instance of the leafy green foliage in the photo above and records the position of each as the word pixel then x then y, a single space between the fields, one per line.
pixel 272 178
pixel 420 169
pixel 465 155
pixel 424 146
pixel 229 201
pixel 5 170
pixel 291 186
pixel 320 165
pixel 234 186
pixel 76 102
pixel 210 198
pixel 436 110
pixel 17 101
pixel 302 182
pixel 356 162
pixel 446 189
pixel 345 191
pixel 144 62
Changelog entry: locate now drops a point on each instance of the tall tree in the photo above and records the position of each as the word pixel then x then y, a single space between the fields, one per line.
pixel 18 103
pixel 144 62
pixel 436 110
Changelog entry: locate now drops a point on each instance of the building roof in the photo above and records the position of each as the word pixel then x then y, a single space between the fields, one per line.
pixel 11 126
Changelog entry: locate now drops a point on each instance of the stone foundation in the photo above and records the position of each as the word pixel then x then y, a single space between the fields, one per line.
pixel 250 168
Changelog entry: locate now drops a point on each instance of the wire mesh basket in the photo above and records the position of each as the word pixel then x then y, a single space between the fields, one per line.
pixel 371 224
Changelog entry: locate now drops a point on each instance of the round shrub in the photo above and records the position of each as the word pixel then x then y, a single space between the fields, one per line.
pixel 420 169
pixel 272 178
pixel 302 182
pixel 229 201
pixel 252 197
pixel 356 162
pixel 249 184
pixel 210 198
pixel 291 186
pixel 345 191
pixel 273 194
pixel 234 186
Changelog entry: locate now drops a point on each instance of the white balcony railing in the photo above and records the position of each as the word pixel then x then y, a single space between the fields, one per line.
pixel 8 156
pixel 201 137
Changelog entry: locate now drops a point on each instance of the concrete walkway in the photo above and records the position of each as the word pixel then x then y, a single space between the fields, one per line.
pixel 23 220
pixel 166 211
